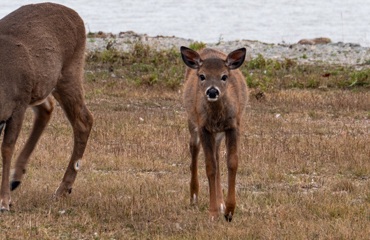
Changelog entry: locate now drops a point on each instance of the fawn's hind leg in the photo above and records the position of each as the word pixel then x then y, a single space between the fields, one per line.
pixel 42 116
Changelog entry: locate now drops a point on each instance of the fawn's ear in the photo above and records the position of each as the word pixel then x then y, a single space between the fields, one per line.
pixel 236 58
pixel 190 57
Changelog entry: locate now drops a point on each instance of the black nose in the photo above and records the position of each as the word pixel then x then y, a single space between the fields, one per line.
pixel 212 92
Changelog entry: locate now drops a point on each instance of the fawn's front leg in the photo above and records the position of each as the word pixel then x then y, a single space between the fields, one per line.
pixel 194 146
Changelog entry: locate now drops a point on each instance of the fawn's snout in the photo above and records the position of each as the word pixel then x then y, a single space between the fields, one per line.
pixel 212 93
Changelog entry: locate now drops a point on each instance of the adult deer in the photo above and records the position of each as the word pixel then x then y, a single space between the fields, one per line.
pixel 42 49
pixel 215 96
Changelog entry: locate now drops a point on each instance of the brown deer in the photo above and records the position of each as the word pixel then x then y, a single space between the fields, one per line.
pixel 215 96
pixel 42 49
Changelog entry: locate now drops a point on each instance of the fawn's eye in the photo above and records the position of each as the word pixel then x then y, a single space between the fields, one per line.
pixel 224 77
pixel 202 77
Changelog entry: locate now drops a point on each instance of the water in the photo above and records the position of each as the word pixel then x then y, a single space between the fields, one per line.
pixel 212 20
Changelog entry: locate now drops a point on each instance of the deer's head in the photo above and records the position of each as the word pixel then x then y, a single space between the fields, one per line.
pixel 213 73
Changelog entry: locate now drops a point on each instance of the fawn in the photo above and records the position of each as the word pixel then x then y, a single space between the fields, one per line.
pixel 215 96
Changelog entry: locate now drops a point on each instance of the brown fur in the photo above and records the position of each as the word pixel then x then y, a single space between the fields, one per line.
pixel 42 49
pixel 208 119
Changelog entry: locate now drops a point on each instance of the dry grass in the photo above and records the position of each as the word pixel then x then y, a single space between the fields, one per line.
pixel 304 170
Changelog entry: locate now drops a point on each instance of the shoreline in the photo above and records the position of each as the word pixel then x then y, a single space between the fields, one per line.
pixel 347 54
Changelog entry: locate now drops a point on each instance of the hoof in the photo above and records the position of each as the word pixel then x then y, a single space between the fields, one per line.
pixel 5 206
pixel 14 185
pixel 61 193
pixel 214 216
pixel 194 200
pixel 229 217
pixel 4 210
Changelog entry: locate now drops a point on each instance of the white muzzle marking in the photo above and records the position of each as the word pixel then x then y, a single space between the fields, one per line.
pixel 213 99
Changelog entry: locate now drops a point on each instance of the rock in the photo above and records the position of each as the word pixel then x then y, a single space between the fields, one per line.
pixel 307 51
pixel 315 41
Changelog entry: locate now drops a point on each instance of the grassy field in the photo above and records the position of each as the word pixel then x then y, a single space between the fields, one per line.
pixel 304 170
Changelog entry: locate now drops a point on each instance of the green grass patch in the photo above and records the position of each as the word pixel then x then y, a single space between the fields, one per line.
pixel 197 46
pixel 144 65
pixel 141 65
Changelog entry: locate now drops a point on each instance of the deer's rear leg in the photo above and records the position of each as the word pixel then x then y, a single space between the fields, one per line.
pixel 194 146
pixel 11 133
pixel 42 116
pixel 69 94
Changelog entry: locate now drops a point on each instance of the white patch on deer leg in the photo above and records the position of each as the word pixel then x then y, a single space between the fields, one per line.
pixel 195 199
pixel 222 208
pixel 77 165
pixel 48 105
pixel 38 102
pixel 220 136
pixel 197 140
